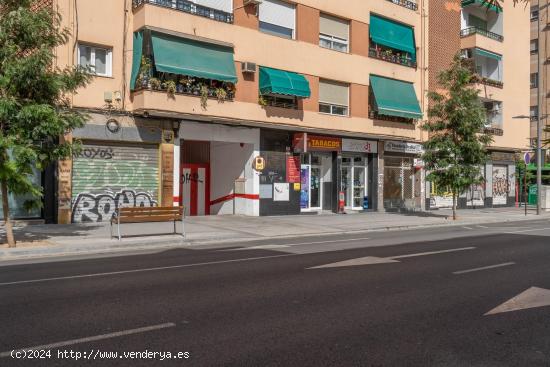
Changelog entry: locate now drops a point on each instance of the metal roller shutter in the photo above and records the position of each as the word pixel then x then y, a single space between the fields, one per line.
pixel 107 175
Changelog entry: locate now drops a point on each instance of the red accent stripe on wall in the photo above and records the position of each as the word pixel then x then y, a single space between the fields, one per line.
pixel 176 199
pixel 233 196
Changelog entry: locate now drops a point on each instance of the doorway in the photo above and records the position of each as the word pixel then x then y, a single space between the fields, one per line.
pixel 311 173
pixel 195 177
pixel 354 181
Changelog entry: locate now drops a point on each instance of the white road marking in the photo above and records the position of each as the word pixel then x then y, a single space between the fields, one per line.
pixel 531 298
pixel 483 227
pixel 483 268
pixel 294 244
pixel 144 270
pixel 370 260
pixel 529 230
pixel 92 338
pixel 467 227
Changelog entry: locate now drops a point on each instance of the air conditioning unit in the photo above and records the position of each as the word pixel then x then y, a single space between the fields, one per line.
pixel 248 67
pixel 254 2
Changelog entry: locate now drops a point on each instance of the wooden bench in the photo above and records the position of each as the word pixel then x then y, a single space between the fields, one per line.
pixel 148 214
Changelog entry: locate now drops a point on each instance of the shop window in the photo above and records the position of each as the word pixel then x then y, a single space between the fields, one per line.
pixel 98 59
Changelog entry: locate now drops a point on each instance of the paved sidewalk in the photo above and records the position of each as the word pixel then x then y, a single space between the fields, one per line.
pixel 77 239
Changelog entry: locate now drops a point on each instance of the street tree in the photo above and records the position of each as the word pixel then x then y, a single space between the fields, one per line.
pixel 34 107
pixel 457 144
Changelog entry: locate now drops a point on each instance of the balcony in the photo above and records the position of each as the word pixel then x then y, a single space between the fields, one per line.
pixel 493 130
pixel 475 30
pixel 389 55
pixel 487 81
pixel 188 7
pixel 374 115
pixel 412 5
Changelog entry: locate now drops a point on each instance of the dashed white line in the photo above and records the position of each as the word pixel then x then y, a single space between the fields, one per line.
pixel 91 338
pixel 529 230
pixel 483 268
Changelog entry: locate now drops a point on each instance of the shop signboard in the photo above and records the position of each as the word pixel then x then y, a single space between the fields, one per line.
pixel 316 143
pixel 359 146
pixel 292 169
pixel 403 147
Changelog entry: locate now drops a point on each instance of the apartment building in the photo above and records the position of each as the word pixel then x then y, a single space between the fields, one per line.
pixel 495 39
pixel 246 107
pixel 539 13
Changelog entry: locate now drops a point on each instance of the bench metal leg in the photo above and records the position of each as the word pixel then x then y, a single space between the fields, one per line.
pixel 175 227
pixel 119 237
pixel 183 223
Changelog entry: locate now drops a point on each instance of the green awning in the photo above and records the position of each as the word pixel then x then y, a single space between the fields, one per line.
pixel 275 81
pixel 491 55
pixel 392 34
pixel 137 50
pixel 485 3
pixel 395 98
pixel 185 56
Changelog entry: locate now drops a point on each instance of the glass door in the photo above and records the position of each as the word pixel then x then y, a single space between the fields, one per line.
pixel 358 187
pixel 315 187
pixel 347 185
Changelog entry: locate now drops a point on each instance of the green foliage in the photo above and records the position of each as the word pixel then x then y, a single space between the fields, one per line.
pixel 34 106
pixel 456 148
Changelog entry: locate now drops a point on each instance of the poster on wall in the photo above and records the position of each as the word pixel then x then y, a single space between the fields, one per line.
pixel 293 169
pixel 281 191
pixel 266 191
pixel 304 192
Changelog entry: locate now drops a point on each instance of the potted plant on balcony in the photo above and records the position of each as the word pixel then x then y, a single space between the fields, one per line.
pixel 145 73
pixel 170 87
pixel 204 95
pixel 155 83
pixel 221 94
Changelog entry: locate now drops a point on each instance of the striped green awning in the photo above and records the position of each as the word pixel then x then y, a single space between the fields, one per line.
pixel 489 54
pixel 392 34
pixel 275 81
pixel 395 98
pixel 485 3
pixel 185 56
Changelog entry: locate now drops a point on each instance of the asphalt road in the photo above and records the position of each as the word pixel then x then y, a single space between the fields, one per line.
pixel 409 298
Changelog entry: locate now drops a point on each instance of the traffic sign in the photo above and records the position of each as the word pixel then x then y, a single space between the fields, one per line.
pixel 527 158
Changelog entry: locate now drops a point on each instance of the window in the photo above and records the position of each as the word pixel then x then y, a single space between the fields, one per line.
pixel 277 18
pixel 534 80
pixel 99 60
pixel 477 22
pixel 534 46
pixel 534 112
pixel 334 33
pixel 223 5
pixel 333 98
pixel 534 13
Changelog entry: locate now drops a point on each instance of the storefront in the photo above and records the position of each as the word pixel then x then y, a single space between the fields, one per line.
pixel 328 166
pixel 402 176
pixel 213 169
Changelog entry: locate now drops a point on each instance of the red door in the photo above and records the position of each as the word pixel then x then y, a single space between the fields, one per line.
pixel 195 188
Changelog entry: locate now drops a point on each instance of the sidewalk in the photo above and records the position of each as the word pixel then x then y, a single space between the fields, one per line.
pixel 77 239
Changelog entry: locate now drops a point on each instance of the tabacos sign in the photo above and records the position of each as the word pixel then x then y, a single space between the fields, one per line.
pixel 303 142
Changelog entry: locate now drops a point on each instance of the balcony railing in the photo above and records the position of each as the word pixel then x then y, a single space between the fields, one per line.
pixel 374 115
pixel 486 81
pixel 391 56
pixel 189 7
pixel 475 30
pixel 493 130
pixel 406 4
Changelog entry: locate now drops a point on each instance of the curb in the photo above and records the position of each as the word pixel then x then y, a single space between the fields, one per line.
pixel 166 244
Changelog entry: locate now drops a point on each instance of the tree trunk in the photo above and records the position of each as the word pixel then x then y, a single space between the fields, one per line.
pixel 454 205
pixel 7 219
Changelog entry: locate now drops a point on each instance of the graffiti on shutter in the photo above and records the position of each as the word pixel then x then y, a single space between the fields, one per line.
pixel 501 185
pixel 106 177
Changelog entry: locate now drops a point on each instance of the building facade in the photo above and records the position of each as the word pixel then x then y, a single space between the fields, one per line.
pixel 496 41
pixel 246 107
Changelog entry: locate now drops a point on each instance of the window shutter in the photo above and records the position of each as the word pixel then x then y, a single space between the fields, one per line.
pixel 223 5
pixel 333 92
pixel 332 26
pixel 278 13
